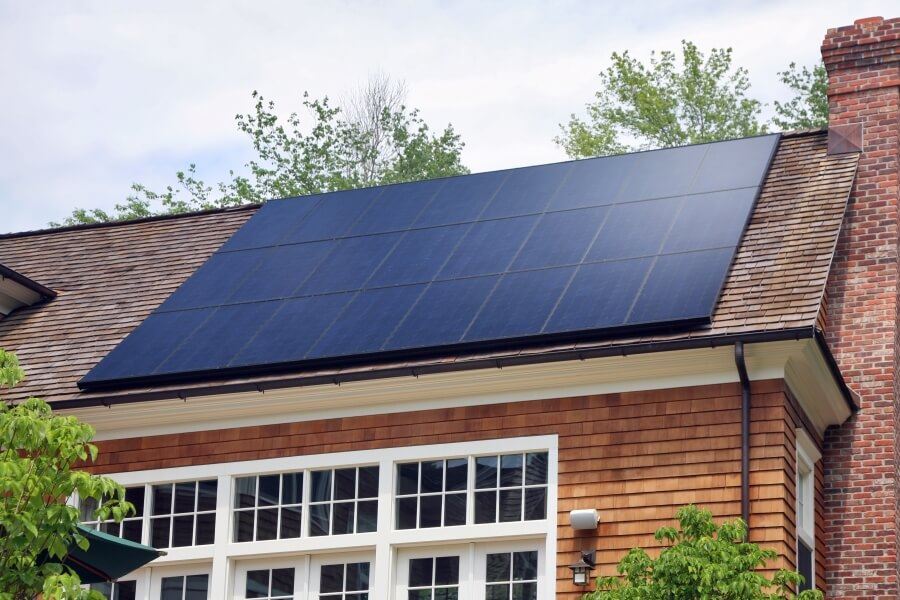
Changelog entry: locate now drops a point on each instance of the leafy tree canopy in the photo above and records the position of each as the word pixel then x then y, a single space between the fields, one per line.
pixel 703 560
pixel 38 455
pixel 666 102
pixel 374 138
pixel 808 108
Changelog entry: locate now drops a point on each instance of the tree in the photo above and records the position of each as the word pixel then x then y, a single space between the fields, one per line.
pixel 808 109
pixel 374 139
pixel 704 560
pixel 664 103
pixel 38 455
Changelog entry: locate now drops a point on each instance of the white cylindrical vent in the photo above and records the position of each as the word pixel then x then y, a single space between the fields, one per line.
pixel 586 518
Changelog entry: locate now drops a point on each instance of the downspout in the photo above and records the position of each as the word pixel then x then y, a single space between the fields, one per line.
pixel 745 431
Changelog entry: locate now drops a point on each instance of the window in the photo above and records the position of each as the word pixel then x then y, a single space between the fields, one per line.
pixel 120 590
pixel 433 578
pixel 270 583
pixel 344 581
pixel 188 587
pixel 130 528
pixel 337 502
pixel 268 507
pixel 432 493
pixel 511 576
pixel 807 457
pixel 183 514
pixel 511 487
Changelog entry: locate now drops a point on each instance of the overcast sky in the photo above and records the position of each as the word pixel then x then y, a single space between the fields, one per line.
pixel 96 95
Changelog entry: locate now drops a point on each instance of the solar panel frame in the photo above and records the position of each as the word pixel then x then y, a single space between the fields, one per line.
pixel 479 194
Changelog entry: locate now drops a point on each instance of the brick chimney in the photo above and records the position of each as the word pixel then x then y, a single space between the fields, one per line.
pixel 862 524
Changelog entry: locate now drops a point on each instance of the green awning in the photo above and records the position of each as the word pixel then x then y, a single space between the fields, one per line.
pixel 108 557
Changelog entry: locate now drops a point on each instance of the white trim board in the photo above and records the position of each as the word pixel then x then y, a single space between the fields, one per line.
pixel 799 362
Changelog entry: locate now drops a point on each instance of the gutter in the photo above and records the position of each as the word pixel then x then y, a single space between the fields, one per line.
pixel 524 357
pixel 745 431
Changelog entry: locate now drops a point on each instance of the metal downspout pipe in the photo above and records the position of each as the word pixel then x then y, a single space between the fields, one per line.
pixel 745 431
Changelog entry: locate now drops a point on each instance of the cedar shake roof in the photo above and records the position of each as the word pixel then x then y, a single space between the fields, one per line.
pixel 110 277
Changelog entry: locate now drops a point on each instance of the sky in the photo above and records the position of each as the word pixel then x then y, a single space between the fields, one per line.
pixel 97 95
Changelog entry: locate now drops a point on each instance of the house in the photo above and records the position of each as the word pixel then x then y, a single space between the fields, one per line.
pixel 405 392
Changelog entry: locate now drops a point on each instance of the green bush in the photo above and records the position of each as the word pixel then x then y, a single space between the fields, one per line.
pixel 703 561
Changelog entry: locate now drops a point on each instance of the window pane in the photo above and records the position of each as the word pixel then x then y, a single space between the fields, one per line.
pixel 172 588
pixel 805 566
pixel 344 484
pixel 524 566
pixel 406 513
pixel 206 528
pixel 446 594
pixel 184 497
pixel 357 577
pixel 196 587
pixel 535 504
pixel 291 488
pixel 368 482
pixel 432 476
pixel 510 470
pixel 497 592
pixel 498 567
pixel 430 511
pixel 321 486
pixel 319 519
pixel 536 468
pixel 420 572
pixel 408 478
pixel 183 531
pixel 283 582
pixel 366 516
pixel 131 530
pixel 485 507
pixel 331 579
pixel 290 522
pixel 126 590
pixel 267 524
pixel 457 474
pixel 486 472
pixel 343 518
pixel 135 495
pixel 112 528
pixel 162 499
pixel 243 526
pixel 258 584
pixel 206 495
pixel 245 492
pixel 87 508
pixel 159 532
pixel 510 505
pixel 419 595
pixel 446 570
pixel 524 591
pixel 268 490
pixel 454 509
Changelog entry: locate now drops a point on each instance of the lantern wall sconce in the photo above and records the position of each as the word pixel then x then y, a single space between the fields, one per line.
pixel 581 570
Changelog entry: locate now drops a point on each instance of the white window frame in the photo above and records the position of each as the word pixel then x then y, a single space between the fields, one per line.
pixel 318 560
pixel 157 574
pixel 480 570
pixel 807 457
pixel 299 564
pixel 224 557
pixel 463 551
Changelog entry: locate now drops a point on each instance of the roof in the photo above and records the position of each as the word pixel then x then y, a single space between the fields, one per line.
pixel 110 278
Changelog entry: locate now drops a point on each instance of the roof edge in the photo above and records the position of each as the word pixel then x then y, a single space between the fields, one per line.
pixel 527 358
pixel 124 222
pixel 31 284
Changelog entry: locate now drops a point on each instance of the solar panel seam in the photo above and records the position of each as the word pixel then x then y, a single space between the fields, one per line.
pixel 584 255
pixel 438 280
pixel 493 219
pixel 444 264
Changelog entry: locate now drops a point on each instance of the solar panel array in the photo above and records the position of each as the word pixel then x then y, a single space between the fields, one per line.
pixel 562 250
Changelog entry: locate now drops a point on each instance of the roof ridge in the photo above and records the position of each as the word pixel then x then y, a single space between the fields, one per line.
pixel 126 222
pixel 804 132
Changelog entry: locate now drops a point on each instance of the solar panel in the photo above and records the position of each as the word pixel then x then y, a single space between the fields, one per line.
pixel 587 248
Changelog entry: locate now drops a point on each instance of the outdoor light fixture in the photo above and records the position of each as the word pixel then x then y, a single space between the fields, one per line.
pixel 581 571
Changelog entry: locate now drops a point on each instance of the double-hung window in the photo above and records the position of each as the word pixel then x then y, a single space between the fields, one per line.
pixel 807 457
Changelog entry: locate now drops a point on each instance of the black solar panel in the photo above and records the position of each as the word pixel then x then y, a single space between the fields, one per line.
pixel 575 249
